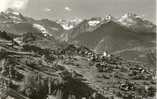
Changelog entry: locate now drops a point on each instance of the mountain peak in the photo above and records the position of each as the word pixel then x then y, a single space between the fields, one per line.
pixel 12 15
pixel 130 19
pixel 137 23
pixel 69 24
pixel 13 12
pixel 109 18
pixel 132 16
pixel 94 21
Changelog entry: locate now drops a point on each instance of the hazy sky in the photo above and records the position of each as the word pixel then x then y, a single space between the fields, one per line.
pixel 66 9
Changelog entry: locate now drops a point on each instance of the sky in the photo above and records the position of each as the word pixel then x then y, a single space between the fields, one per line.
pixel 68 9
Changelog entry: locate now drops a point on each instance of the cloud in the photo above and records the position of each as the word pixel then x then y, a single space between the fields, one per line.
pixel 68 8
pixel 13 4
pixel 47 9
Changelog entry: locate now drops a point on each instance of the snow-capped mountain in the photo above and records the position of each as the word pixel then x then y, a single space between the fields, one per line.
pixel 109 18
pixel 114 35
pixel 14 22
pixel 133 22
pixel 11 16
pixel 69 24
pixel 128 19
pixel 84 26
pixel 137 23
pixel 94 21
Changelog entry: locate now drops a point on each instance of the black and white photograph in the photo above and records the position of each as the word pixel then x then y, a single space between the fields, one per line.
pixel 78 49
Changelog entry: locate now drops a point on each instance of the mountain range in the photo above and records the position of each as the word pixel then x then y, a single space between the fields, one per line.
pixel 96 58
pixel 129 36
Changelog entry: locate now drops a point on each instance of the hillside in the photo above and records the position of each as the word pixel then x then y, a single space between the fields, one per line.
pixel 32 71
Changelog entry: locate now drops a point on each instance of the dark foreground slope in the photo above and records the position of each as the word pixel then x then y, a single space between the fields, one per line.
pixel 32 71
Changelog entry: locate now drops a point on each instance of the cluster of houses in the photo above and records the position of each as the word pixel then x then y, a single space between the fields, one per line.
pixel 139 73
